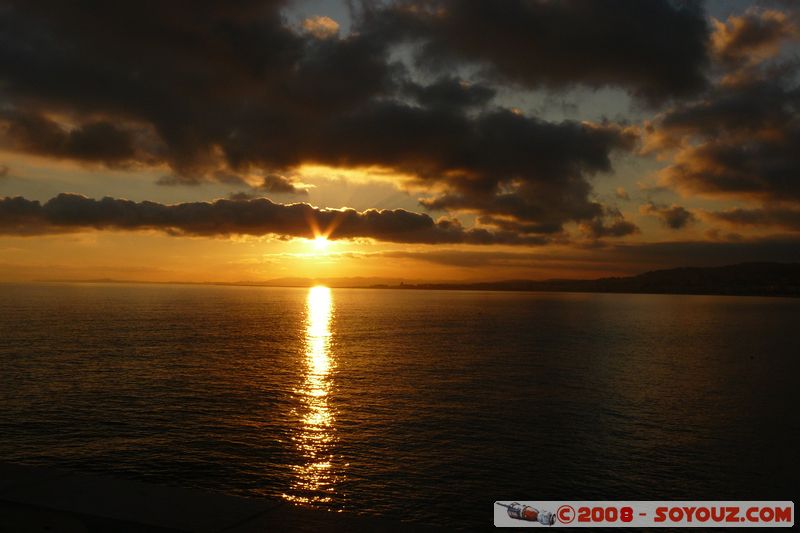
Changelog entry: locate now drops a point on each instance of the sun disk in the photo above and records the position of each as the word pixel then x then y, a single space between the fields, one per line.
pixel 321 243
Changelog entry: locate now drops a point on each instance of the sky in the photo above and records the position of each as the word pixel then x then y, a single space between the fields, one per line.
pixel 466 140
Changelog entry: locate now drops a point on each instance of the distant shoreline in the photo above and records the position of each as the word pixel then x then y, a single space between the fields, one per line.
pixel 745 279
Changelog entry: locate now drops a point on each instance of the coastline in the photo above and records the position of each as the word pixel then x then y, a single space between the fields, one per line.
pixel 744 279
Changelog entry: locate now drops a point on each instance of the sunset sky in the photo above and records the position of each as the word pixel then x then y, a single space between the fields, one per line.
pixel 427 140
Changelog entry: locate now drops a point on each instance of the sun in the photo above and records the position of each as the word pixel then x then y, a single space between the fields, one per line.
pixel 321 243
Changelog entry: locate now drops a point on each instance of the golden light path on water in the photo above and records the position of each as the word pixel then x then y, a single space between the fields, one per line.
pixel 314 479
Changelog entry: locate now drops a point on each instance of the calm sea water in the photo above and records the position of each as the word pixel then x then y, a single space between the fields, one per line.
pixel 417 405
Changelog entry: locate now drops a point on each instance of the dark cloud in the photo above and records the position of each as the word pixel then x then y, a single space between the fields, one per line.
pixel 612 224
pixel 225 91
pixel 761 100
pixel 673 217
pixel 450 92
pixel 93 141
pixel 561 44
pixel 270 184
pixel 760 168
pixel 260 216
pixel 220 85
pixel 785 217
pixel 19 216
pixel 752 37
pixel 499 163
pixel 740 140
pixel 242 196
pixel 618 228
pixel 275 183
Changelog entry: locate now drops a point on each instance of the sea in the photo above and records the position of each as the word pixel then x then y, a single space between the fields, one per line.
pixel 411 405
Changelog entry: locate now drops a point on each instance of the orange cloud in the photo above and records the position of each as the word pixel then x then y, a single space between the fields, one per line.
pixel 321 27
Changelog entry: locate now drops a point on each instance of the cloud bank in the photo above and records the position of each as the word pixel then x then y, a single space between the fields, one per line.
pixel 225 91
pixel 233 93
pixel 259 216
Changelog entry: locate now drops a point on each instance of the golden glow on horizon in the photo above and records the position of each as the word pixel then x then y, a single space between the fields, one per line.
pixel 314 479
pixel 361 175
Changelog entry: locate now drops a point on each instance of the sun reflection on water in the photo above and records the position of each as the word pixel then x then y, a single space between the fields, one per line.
pixel 314 478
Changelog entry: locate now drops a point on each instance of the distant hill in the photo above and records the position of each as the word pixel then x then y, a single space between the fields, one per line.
pixel 356 282
pixel 745 279
pixel 754 279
